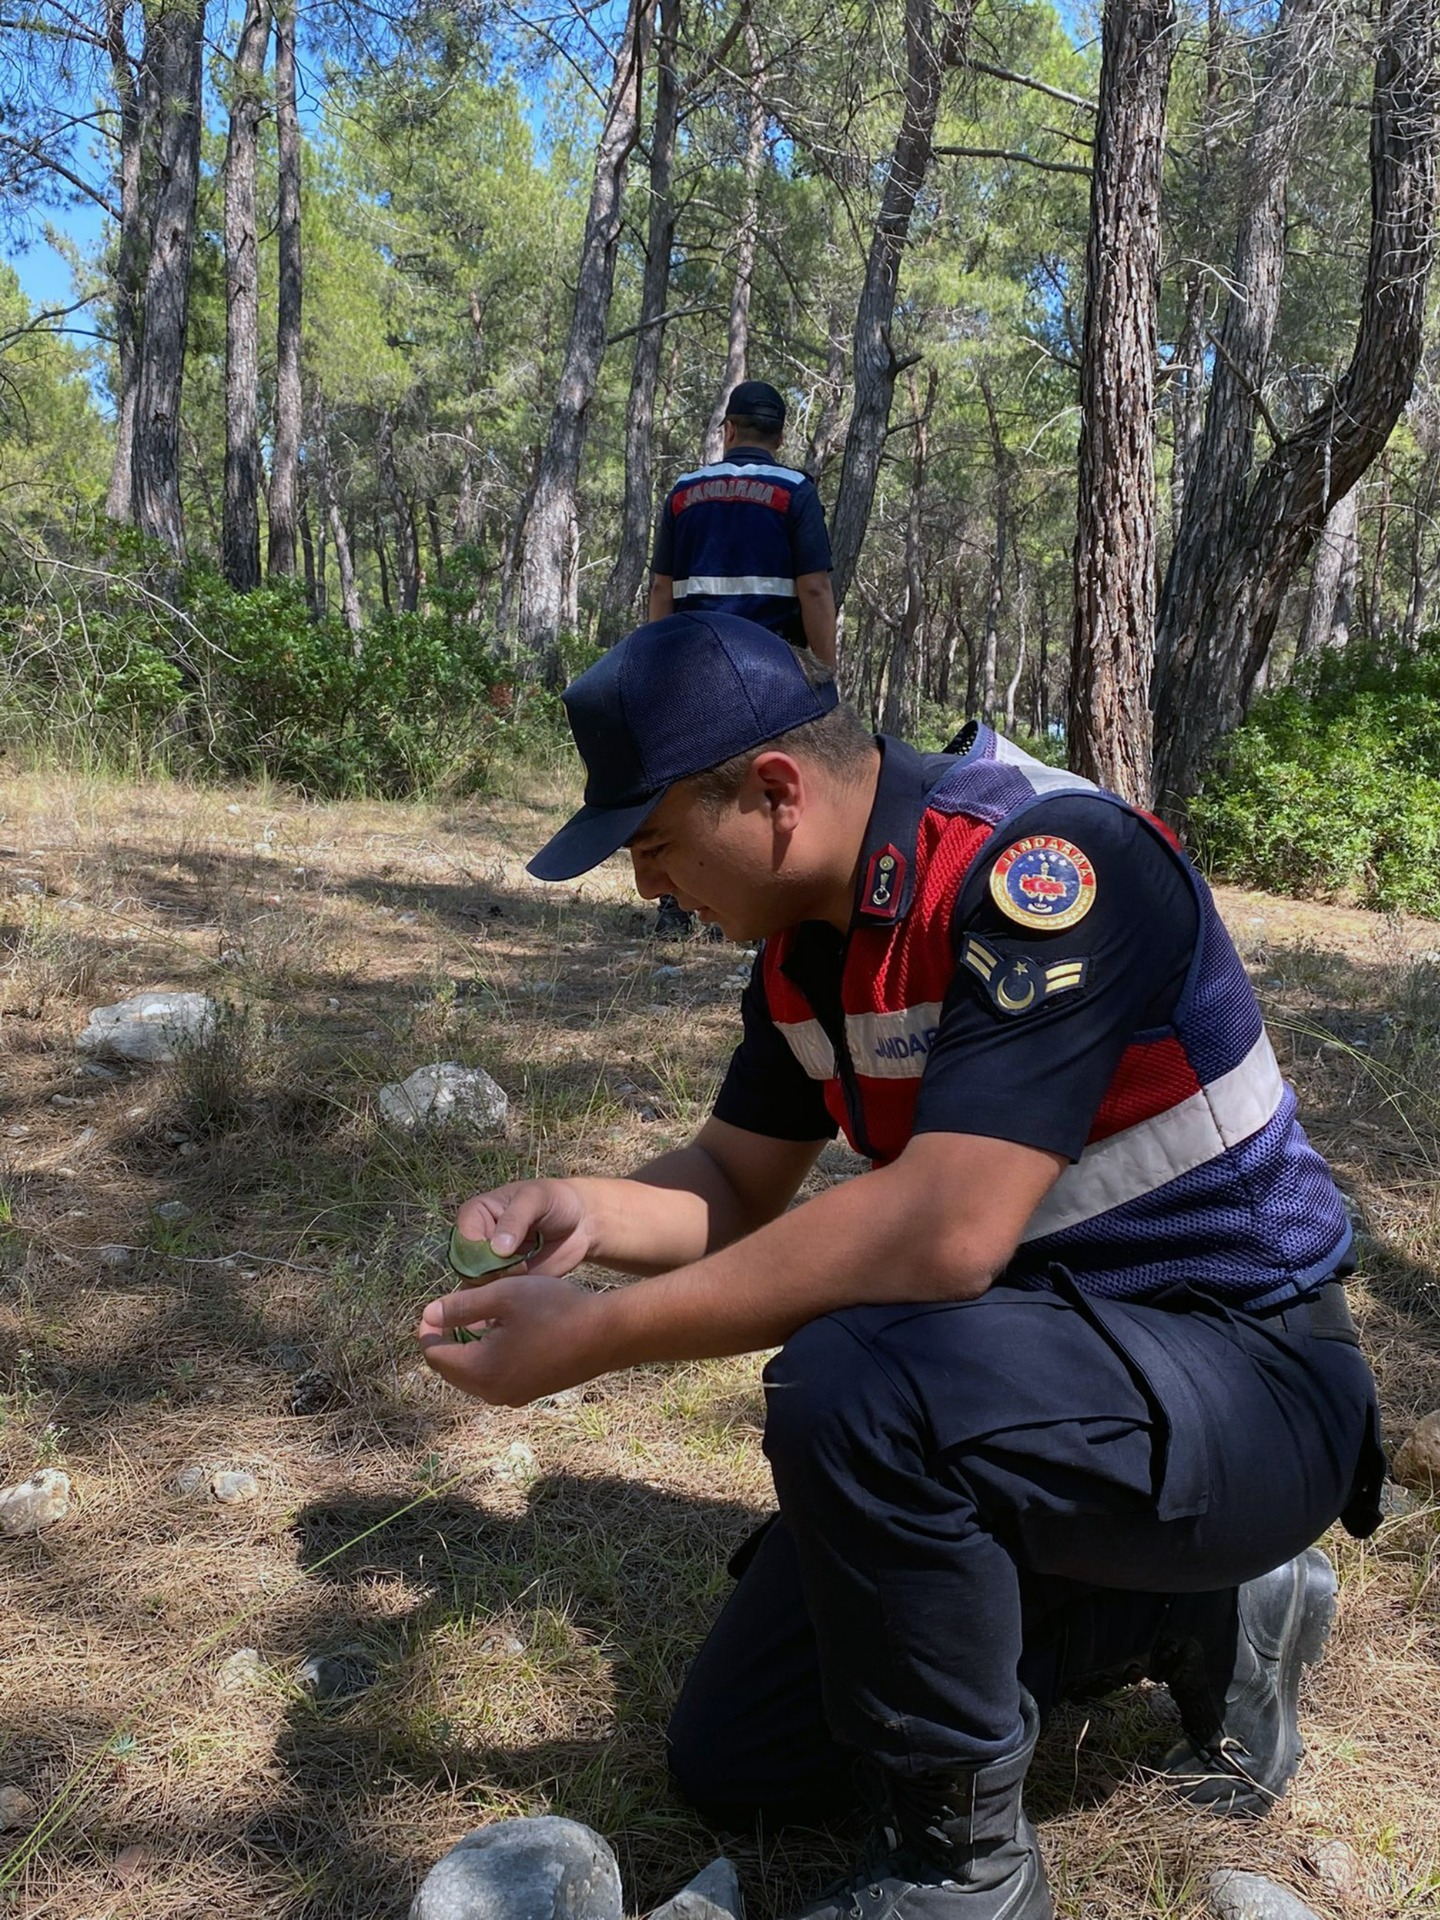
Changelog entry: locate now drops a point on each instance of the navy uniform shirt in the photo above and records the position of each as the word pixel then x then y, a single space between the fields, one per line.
pixel 735 536
pixel 1038 1080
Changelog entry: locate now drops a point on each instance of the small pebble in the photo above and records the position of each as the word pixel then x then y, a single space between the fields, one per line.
pixel 241 1671
pixel 337 1676
pixel 1340 1868
pixel 18 1133
pixel 172 1210
pixel 17 1809
pixel 233 1487
pixel 666 973
pixel 516 1463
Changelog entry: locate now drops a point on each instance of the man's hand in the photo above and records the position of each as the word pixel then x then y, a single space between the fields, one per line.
pixel 509 1217
pixel 540 1335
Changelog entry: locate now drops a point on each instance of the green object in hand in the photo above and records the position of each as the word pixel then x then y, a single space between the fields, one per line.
pixel 478 1260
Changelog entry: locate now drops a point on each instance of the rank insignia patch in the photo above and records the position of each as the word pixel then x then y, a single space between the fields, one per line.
pixel 884 883
pixel 1016 983
pixel 1042 881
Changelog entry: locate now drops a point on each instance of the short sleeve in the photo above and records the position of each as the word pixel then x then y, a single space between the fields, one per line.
pixel 765 1089
pixel 1036 1018
pixel 809 537
pixel 662 560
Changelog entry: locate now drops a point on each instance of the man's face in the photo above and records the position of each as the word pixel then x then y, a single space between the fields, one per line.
pixel 722 864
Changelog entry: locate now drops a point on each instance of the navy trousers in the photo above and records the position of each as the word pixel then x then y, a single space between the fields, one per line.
pixel 999 1493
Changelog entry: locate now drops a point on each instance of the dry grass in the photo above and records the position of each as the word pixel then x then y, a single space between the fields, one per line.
pixel 526 1587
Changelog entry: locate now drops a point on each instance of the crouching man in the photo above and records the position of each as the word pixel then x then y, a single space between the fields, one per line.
pixel 1066 1383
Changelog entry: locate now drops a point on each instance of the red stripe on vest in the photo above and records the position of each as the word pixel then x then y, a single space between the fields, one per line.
pixel 1151 1078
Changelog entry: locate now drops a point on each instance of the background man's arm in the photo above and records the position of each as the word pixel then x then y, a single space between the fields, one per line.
pixel 662 596
pixel 817 614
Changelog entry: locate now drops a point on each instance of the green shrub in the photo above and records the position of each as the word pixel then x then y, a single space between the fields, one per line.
pixel 1332 787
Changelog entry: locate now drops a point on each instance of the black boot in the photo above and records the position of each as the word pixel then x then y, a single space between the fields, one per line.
pixel 1238 1685
pixel 956 1846
pixel 673 922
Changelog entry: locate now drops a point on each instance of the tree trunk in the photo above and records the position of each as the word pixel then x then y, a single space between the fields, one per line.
pixel 738 336
pixel 177 31
pixel 285 460
pixel 1215 494
pixel 241 537
pixel 552 510
pixel 830 421
pixel 129 259
pixel 933 39
pixel 618 600
pixel 1188 388
pixel 1330 608
pixel 1000 460
pixel 1217 652
pixel 1109 721
pixel 318 461
pixel 407 544
pixel 1376 609
pixel 899 703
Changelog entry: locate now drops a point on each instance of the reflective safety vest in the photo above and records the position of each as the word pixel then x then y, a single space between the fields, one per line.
pixel 1196 1168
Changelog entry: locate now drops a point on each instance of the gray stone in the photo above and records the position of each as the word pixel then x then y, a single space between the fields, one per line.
pixel 232 1487
pixel 17 1809
pixel 171 1211
pixel 445 1094
pixel 189 1481
pixel 337 1676
pixel 540 1869
pixel 150 1027
pixel 34 1504
pixel 1250 1896
pixel 114 1255
pixel 713 1894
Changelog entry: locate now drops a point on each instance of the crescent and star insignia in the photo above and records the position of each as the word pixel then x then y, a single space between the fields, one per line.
pixel 1016 983
pixel 1043 882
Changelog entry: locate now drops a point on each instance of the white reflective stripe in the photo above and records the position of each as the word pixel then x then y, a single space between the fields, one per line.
pixel 892 1046
pixel 1148 1156
pixel 1044 779
pixel 736 583
pixel 811 1046
pixel 724 467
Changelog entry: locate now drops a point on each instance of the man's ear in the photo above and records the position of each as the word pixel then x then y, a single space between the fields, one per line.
pixel 778 782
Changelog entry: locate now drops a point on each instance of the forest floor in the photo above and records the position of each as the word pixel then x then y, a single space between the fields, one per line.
pixel 523 1589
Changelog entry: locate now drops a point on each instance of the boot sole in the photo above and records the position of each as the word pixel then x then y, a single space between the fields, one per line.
pixel 1303 1644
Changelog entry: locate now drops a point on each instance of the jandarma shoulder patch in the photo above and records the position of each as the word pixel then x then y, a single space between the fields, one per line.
pixel 1043 882
pixel 1017 983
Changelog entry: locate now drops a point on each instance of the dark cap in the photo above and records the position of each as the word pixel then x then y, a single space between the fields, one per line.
pixel 673 698
pixel 757 400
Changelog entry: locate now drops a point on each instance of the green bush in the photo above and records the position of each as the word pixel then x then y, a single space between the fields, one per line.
pixel 1332 788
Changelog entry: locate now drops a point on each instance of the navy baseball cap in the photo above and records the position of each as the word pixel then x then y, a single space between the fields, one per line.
pixel 757 400
pixel 671 699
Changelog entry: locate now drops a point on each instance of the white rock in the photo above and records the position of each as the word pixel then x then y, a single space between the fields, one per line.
pixel 516 1463
pixel 36 1503
pixel 713 1894
pixel 17 1809
pixel 233 1487
pixel 540 1869
pixel 443 1095
pixel 243 1670
pixel 1250 1896
pixel 1417 1459
pixel 172 1210
pixel 151 1027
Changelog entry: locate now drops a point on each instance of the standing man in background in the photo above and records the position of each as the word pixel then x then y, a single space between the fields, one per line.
pixel 745 535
